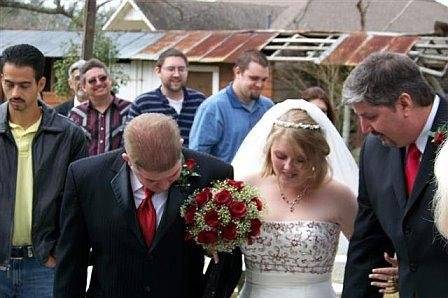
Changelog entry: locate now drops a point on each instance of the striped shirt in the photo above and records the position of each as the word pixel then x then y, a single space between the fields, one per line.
pixel 155 102
pixel 104 131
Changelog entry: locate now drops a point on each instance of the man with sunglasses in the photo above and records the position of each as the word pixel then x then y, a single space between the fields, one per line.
pixel 103 116
pixel 74 82
pixel 172 98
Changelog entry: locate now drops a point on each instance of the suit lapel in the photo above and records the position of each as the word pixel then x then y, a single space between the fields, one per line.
pixel 172 210
pixel 424 174
pixel 396 166
pixel 426 171
pixel 123 195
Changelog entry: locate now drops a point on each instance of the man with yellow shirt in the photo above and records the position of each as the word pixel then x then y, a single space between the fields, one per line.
pixel 36 146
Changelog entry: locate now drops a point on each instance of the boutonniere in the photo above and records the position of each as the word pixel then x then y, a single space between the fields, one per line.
pixel 440 135
pixel 189 169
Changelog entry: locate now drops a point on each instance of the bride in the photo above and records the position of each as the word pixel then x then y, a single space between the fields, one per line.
pixel 308 180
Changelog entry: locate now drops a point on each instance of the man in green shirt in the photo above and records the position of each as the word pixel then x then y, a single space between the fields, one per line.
pixel 37 145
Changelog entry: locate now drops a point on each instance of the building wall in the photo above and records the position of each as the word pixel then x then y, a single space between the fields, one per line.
pixel 142 79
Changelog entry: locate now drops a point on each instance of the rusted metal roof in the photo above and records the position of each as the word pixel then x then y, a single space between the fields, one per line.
pixel 429 52
pixel 208 46
pixel 357 46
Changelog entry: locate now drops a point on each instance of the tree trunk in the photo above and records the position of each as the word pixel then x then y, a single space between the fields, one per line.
pixel 89 29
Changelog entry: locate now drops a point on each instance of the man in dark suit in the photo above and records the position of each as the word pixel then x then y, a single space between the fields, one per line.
pixel 74 82
pixel 397 107
pixel 124 205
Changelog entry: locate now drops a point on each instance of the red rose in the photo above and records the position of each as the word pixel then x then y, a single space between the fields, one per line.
pixel 211 219
pixel 236 184
pixel 229 232
pixel 439 137
pixel 207 237
pixel 223 197
pixel 190 164
pixel 189 214
pixel 255 225
pixel 237 209
pixel 203 196
pixel 258 203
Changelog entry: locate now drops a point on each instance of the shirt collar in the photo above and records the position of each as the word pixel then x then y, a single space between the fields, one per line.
pixel 424 134
pixel 236 102
pixel 135 183
pixel 31 129
pixel 76 102
pixel 113 102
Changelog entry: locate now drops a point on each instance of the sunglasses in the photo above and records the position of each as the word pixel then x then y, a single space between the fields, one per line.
pixel 100 79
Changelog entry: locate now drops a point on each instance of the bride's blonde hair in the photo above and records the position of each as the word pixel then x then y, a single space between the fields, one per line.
pixel 301 131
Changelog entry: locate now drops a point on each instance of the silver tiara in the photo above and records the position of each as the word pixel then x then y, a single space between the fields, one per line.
pixel 296 125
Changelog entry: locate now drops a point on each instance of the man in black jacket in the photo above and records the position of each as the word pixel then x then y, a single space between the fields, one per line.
pixel 36 146
pixel 129 216
pixel 396 181
pixel 74 81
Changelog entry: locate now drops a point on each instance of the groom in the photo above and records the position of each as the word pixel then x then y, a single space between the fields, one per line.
pixel 396 184
pixel 124 205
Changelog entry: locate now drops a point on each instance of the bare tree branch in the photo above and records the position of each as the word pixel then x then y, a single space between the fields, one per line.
pixel 103 3
pixel 398 15
pixel 178 9
pixel 59 9
pixel 304 12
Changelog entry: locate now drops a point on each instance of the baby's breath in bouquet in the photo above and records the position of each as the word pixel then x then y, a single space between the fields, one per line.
pixel 222 216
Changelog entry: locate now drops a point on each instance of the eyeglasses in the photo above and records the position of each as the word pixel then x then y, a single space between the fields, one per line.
pixel 99 79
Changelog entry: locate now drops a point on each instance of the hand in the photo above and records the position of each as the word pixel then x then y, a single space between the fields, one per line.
pixel 51 262
pixel 386 278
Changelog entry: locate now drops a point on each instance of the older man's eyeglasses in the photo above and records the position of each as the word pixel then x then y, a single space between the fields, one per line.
pixel 99 79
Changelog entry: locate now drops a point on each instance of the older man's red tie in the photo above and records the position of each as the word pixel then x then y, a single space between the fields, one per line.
pixel 147 217
pixel 411 167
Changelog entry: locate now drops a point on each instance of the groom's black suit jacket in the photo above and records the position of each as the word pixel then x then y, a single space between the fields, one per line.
pixel 389 221
pixel 98 212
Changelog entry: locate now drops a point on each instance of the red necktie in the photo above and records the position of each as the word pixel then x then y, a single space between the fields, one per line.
pixel 411 166
pixel 147 217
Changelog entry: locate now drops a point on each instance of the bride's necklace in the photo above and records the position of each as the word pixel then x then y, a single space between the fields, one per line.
pixel 292 203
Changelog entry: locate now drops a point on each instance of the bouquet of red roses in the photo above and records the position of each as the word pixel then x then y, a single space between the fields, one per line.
pixel 222 216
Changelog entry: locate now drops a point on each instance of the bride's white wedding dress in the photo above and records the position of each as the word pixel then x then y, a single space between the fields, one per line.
pixel 291 260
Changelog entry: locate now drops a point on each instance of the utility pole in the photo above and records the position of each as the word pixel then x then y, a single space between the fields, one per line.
pixel 89 29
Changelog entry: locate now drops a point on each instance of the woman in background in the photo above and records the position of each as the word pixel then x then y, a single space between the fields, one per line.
pixel 317 96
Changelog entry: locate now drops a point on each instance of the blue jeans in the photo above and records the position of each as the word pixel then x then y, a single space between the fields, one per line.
pixel 26 278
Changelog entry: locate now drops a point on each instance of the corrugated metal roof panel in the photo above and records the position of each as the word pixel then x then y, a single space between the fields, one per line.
pixel 168 40
pixel 199 46
pixel 357 46
pixel 208 46
pixel 194 38
pixel 228 46
pixel 256 41
pixel 55 43
pixel 214 40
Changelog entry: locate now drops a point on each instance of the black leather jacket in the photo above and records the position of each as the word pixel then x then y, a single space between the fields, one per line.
pixel 57 143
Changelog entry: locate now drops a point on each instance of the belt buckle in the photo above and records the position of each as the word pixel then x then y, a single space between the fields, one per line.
pixel 29 251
